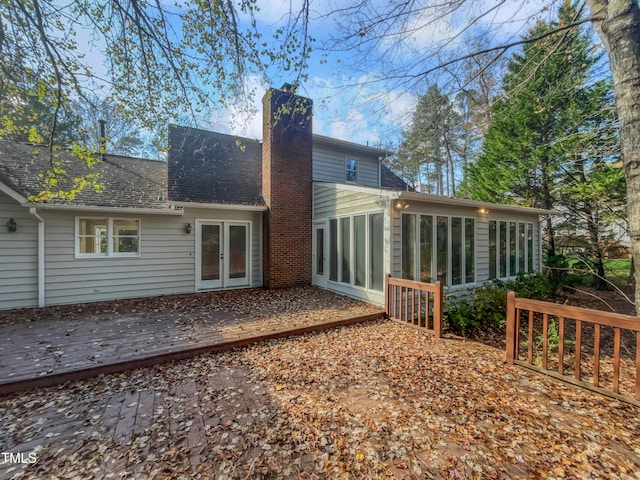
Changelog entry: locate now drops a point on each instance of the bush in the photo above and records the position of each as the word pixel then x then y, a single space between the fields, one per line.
pixel 487 310
pixel 558 270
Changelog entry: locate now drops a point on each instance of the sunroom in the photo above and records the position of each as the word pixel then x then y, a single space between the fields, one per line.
pixel 362 233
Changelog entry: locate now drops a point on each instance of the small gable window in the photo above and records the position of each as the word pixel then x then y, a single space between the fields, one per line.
pixel 107 237
pixel 351 170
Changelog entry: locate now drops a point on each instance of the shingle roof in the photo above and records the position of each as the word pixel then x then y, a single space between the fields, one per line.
pixel 388 179
pixel 210 167
pixel 128 182
pixel 203 167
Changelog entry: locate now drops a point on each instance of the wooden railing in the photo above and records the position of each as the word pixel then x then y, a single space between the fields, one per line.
pixel 557 339
pixel 415 303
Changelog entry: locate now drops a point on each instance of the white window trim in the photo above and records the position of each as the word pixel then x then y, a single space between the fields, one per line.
pixel 110 253
pixel 351 284
pixel 511 275
pixel 346 179
pixel 434 249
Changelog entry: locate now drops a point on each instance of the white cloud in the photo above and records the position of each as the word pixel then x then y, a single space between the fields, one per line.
pixel 244 117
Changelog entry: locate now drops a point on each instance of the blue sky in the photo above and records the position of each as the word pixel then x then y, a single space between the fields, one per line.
pixel 374 112
pixel 365 112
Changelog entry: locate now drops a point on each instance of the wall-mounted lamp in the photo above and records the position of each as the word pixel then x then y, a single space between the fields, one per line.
pixel 401 204
pixel 483 211
pixel 188 228
pixel 12 225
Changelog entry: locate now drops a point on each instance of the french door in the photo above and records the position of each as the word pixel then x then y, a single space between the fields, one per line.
pixel 222 254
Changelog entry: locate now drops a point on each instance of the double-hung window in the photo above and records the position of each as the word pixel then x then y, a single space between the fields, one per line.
pixel 107 237
pixel 351 170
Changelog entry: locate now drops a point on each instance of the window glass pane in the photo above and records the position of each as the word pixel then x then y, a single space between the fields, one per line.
pixel 530 247
pixel 456 251
pixel 521 243
pixel 320 251
pixel 92 235
pixel 333 250
pixel 345 243
pixel 408 246
pixel 125 236
pixel 351 170
pixel 426 248
pixel 503 249
pixel 512 248
pixel 442 256
pixel 210 261
pixel 237 251
pixel 469 250
pixel 493 248
pixel 376 251
pixel 360 246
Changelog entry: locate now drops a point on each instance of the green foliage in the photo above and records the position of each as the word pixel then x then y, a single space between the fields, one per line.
pixel 426 155
pixel 163 61
pixel 551 114
pixel 559 272
pixel 488 309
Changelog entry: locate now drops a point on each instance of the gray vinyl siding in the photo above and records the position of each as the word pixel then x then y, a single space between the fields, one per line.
pixel 166 264
pixel 331 201
pixel 18 256
pixel 329 166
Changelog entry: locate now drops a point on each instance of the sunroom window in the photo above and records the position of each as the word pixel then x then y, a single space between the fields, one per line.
pixel 511 248
pixel 438 248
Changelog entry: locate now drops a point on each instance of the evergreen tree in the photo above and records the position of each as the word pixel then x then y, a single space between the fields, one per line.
pixel 552 131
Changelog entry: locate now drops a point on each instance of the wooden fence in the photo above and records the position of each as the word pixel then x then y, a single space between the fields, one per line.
pixel 415 303
pixel 572 343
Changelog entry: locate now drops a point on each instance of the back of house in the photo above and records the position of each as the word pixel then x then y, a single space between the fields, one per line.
pixel 225 212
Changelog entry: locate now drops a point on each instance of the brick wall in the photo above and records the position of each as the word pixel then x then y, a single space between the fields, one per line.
pixel 287 187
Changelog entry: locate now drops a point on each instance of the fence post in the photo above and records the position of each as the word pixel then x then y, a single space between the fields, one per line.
pixel 386 294
pixel 438 310
pixel 511 327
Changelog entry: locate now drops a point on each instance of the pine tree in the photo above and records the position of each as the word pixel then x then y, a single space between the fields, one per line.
pixel 551 129
pixel 428 151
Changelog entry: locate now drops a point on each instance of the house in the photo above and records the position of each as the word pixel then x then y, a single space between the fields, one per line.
pixel 226 212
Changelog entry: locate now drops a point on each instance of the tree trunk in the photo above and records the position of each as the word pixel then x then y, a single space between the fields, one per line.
pixel 595 248
pixel 619 29
pixel 548 203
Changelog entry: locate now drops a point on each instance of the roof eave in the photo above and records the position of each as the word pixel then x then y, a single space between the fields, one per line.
pixel 97 208
pixel 17 196
pixel 463 202
pixel 334 142
pixel 222 206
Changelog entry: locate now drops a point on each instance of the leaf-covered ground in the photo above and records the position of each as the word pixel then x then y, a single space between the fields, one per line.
pixel 377 400
pixel 53 340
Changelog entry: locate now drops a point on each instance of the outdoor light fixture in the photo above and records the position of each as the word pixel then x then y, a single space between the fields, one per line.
pixel 12 225
pixel 484 211
pixel 401 204
pixel 188 228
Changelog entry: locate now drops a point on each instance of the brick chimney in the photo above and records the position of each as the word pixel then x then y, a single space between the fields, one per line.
pixel 287 188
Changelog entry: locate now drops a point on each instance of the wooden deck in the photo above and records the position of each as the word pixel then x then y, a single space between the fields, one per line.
pixel 48 352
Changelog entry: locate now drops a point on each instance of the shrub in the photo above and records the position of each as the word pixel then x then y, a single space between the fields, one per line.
pixel 487 310
pixel 558 270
